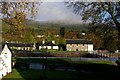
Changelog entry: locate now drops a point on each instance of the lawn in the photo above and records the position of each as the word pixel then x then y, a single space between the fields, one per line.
pixel 13 74
pixel 32 74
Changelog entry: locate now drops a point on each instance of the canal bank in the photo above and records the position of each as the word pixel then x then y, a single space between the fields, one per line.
pixel 93 69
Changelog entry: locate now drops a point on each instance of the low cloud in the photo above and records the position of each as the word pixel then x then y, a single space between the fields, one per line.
pixel 56 11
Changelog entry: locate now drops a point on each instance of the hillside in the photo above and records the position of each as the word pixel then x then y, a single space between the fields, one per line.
pixel 41 26
pixel 33 28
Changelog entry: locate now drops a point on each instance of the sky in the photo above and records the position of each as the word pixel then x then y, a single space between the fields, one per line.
pixel 56 11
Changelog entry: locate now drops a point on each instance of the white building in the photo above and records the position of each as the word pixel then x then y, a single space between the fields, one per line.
pixel 79 45
pixel 49 45
pixel 21 46
pixel 5 62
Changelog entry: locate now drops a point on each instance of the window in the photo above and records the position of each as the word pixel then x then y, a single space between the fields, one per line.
pixel 76 49
pixel 76 45
pixel 70 45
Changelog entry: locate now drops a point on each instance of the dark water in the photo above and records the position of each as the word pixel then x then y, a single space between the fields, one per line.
pixel 35 66
pixel 40 66
pixel 79 58
pixel 92 59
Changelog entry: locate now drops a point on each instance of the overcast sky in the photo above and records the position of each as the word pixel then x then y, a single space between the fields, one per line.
pixel 56 11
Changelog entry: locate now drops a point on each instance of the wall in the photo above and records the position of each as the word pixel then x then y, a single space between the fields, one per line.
pixel 77 47
pixel 5 61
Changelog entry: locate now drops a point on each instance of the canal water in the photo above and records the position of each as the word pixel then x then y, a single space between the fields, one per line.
pixel 79 58
pixel 35 66
pixel 40 66
pixel 93 59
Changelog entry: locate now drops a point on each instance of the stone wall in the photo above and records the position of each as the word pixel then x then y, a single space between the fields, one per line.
pixel 77 47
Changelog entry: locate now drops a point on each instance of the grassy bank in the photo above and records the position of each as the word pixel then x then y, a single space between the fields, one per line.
pixel 31 74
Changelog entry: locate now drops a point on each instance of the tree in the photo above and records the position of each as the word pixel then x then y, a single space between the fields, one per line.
pixel 98 12
pixel 14 14
pixel 68 34
pixel 110 39
pixel 62 31
pixel 103 36
pixel 62 44
pixel 97 40
pixel 28 38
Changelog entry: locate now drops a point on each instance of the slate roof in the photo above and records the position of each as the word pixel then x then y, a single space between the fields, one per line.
pixel 48 44
pixel 78 41
pixel 1 47
pixel 19 44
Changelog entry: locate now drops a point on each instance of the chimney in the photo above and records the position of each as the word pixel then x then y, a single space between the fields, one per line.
pixel 43 42
pixel 53 42
pixel 83 34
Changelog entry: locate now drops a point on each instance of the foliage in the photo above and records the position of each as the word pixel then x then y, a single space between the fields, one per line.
pixel 97 12
pixel 71 34
pixel 29 38
pixel 62 31
pixel 14 14
pixel 27 35
pixel 103 37
pixel 106 13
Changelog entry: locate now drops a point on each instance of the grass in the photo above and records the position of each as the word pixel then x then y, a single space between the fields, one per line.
pixel 61 75
pixel 19 74
pixel 102 62
pixel 14 74
pixel 38 74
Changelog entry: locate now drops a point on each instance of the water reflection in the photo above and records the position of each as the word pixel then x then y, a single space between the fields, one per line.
pixel 92 59
pixel 77 58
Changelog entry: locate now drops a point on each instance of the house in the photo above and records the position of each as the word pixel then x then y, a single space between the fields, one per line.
pixel 49 45
pixel 21 46
pixel 5 61
pixel 79 45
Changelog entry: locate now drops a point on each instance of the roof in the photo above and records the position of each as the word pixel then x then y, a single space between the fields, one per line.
pixel 78 41
pixel 1 47
pixel 0 59
pixel 19 44
pixel 48 44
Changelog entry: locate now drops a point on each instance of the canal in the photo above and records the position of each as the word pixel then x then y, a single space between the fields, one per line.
pixel 79 58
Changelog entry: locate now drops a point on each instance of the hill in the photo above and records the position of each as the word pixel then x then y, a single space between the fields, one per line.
pixel 41 26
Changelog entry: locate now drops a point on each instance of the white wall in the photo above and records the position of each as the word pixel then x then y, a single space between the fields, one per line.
pixel 0 74
pixel 55 47
pixel 6 61
pixel 0 68
pixel 90 47
pixel 40 47
pixel 49 47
